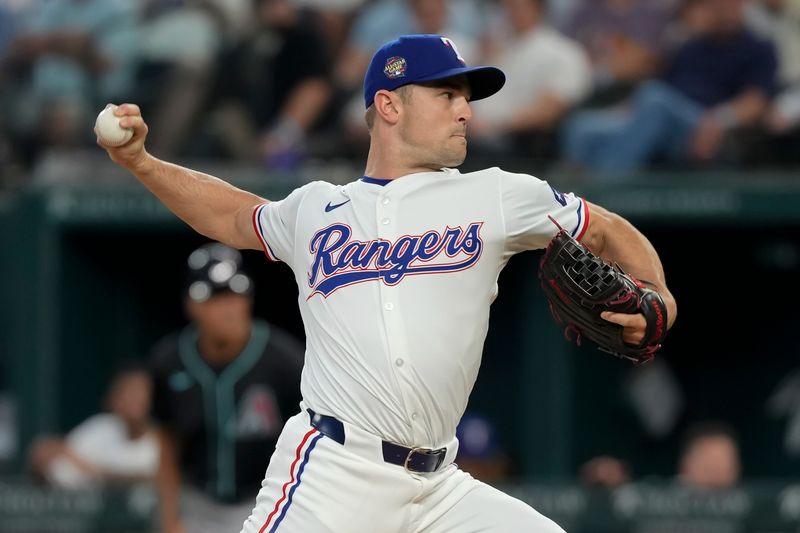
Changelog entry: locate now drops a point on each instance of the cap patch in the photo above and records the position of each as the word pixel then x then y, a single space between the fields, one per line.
pixel 395 67
pixel 451 44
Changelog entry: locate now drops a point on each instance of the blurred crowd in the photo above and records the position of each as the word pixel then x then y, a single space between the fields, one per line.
pixel 597 87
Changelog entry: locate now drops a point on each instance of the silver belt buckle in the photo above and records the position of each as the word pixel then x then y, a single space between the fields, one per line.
pixel 411 452
pixel 424 451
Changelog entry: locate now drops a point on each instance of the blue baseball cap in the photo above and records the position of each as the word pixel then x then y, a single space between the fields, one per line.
pixel 420 58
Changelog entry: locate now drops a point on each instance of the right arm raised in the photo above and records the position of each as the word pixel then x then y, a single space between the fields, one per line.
pixel 211 206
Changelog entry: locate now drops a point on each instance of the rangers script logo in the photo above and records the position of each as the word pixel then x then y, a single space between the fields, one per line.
pixel 340 261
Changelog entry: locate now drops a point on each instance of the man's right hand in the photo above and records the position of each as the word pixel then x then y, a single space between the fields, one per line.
pixel 132 154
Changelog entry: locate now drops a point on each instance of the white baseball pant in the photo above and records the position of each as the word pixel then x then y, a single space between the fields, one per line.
pixel 316 485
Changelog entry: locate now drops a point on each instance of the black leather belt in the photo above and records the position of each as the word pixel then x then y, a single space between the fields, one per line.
pixel 412 459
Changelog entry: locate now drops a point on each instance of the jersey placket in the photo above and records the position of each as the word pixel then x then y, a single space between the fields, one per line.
pixel 399 355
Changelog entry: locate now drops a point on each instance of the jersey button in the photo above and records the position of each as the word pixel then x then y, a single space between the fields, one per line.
pixel 385 201
pixel 414 416
pixel 398 362
pixel 385 221
pixel 388 306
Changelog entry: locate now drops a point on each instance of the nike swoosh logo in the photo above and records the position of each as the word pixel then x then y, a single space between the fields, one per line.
pixel 329 207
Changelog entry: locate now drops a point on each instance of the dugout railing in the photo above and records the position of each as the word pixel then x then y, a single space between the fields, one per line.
pixel 636 508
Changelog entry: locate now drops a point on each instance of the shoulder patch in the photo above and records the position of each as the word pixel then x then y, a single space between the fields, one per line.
pixel 559 196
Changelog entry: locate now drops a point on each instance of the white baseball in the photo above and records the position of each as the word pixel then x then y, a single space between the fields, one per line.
pixel 108 128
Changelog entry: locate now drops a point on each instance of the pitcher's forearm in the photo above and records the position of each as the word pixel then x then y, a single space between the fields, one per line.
pixel 631 249
pixel 617 240
pixel 208 204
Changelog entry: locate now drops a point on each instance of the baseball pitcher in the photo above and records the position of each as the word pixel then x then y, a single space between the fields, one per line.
pixel 396 272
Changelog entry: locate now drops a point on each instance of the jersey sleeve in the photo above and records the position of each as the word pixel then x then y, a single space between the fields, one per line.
pixel 275 224
pixel 529 204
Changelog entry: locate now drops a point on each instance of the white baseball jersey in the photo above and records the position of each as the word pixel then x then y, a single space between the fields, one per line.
pixel 395 281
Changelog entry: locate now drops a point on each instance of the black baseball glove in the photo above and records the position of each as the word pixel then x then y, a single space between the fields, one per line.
pixel 580 285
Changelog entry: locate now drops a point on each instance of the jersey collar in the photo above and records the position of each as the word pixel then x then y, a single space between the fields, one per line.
pixel 376 181
pixel 384 182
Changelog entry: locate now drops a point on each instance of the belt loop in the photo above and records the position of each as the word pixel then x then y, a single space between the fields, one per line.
pixel 328 426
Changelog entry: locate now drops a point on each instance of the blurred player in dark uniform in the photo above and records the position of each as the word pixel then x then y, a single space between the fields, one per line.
pixel 224 386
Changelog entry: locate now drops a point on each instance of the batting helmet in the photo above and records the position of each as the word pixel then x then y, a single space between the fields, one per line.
pixel 214 268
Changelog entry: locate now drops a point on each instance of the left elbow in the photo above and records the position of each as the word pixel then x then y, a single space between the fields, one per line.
pixel 601 221
pixel 672 306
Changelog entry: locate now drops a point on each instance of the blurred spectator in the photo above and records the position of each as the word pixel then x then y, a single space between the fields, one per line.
pixel 273 87
pixel 13 158
pixel 336 17
pixel 784 401
pixel 560 12
pixel 605 471
pixel 714 83
pixel 8 26
pixel 625 40
pixel 224 385
pixel 710 457
pixel 642 420
pixel 118 446
pixel 779 20
pixel 180 44
pixel 546 74
pixel 479 453
pixel 71 57
pixel 691 19
pixel 460 20
pixel 236 16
